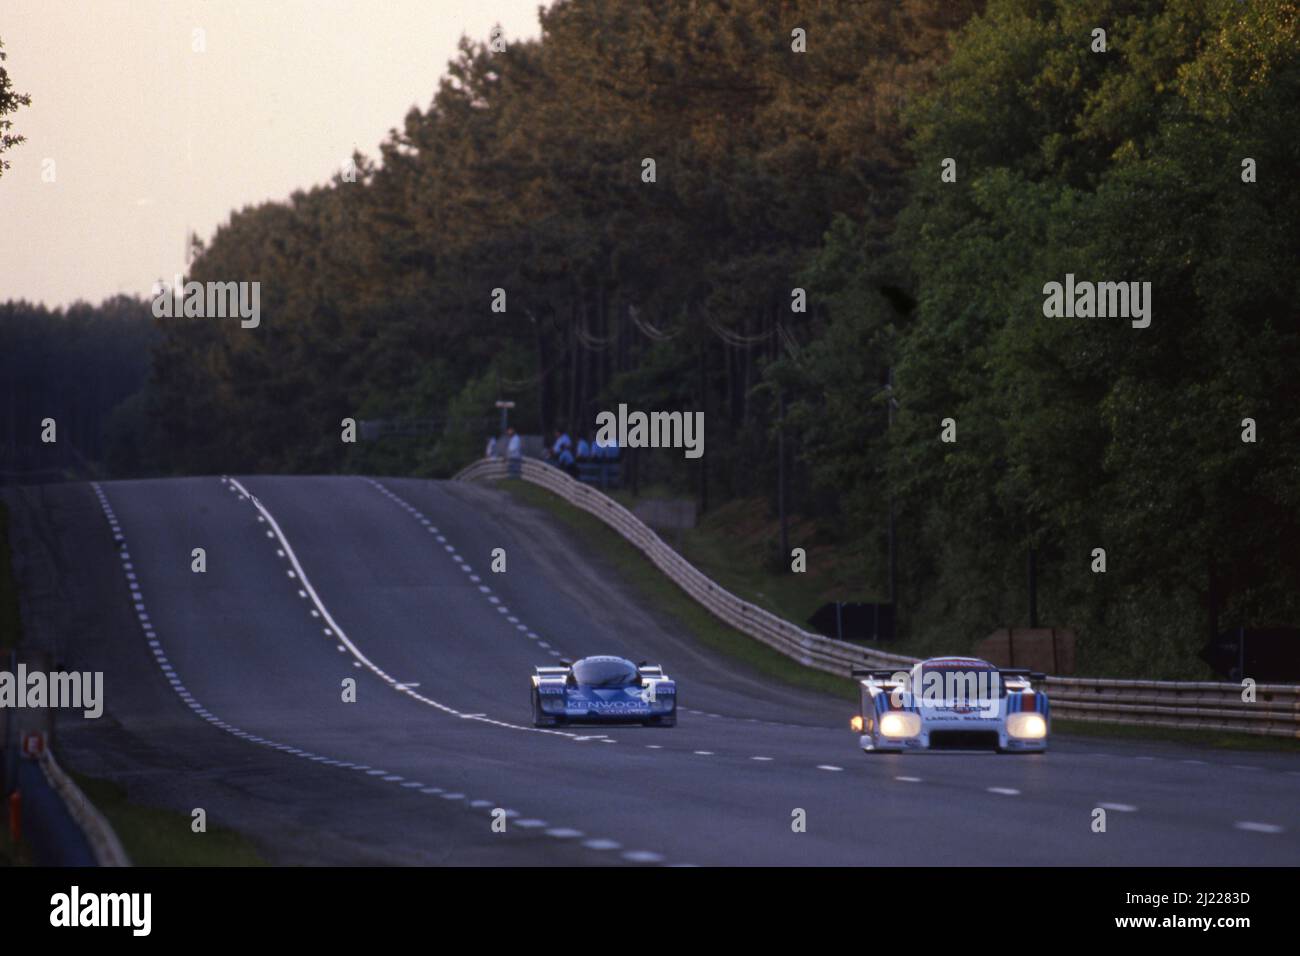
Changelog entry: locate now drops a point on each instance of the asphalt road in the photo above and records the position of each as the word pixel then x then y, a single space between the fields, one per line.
pixel 224 690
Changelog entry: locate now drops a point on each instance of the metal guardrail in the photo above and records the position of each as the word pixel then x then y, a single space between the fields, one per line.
pixel 1190 705
pixel 104 843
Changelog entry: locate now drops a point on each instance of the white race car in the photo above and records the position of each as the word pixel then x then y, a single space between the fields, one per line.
pixel 951 703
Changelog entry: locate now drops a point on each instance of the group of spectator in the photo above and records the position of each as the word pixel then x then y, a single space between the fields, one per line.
pixel 565 456
pixel 562 452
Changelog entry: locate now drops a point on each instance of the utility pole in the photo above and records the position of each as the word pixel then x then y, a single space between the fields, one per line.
pixel 704 407
pixel 780 476
pixel 1033 586
pixel 893 541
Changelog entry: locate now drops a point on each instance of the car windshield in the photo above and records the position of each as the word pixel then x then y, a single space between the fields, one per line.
pixel 604 672
pixel 960 684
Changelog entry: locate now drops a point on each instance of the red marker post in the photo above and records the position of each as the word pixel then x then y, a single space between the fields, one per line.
pixel 15 817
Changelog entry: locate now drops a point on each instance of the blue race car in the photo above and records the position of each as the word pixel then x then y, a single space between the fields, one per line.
pixel 604 689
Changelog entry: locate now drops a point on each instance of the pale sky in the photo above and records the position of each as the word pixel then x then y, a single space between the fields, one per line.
pixel 150 139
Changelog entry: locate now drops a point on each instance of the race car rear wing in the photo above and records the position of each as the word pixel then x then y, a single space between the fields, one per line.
pixel 878 674
pixel 1021 672
pixel 875 674
pixel 650 670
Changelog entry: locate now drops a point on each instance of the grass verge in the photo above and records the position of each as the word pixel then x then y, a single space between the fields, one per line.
pixel 1215 739
pixel 154 837
pixel 151 837
pixel 735 544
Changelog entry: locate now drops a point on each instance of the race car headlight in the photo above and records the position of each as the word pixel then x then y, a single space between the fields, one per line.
pixel 899 724
pixel 856 723
pixel 1027 726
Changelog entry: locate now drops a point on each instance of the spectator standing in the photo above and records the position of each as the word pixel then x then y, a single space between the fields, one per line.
pixel 566 462
pixel 562 441
pixel 514 453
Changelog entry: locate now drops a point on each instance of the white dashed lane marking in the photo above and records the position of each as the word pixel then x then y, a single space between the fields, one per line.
pixel 464 566
pixel 643 856
pixel 1005 791
pixel 1252 827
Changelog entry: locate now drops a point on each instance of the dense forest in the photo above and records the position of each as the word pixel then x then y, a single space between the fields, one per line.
pixel 828 226
pixel 82 368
